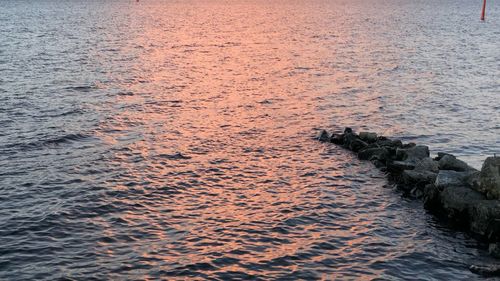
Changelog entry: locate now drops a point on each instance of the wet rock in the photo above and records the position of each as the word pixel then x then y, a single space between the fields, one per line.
pixel 485 219
pixel 427 164
pixel 418 178
pixel 348 130
pixel 409 145
pixel 379 164
pixel 397 167
pixel 473 180
pixel 357 144
pixel 323 136
pixel 368 137
pixel 441 155
pixel 431 198
pixel 448 186
pixel 450 162
pixel 337 139
pixel 457 201
pixel 493 231
pixel 494 249
pixel 446 178
pixel 379 153
pixel 385 142
pixel 417 192
pixel 348 139
pixel 490 177
pixel 413 153
pixel 486 270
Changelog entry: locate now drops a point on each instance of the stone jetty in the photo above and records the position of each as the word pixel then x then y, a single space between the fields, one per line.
pixel 448 187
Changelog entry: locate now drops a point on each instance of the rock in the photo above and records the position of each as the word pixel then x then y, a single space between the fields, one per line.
pixel 397 167
pixel 368 137
pixel 337 139
pixel 486 270
pixel 446 184
pixel 450 162
pixel 413 153
pixel 441 155
pixel 379 153
pixel 323 136
pixel 473 180
pixel 457 201
pixel 379 164
pixel 385 142
pixel 490 177
pixel 494 249
pixel 417 192
pixel 348 139
pixel 485 219
pixel 431 198
pixel 427 164
pixel 357 144
pixel 418 178
pixel 397 143
pixel 447 178
pixel 409 145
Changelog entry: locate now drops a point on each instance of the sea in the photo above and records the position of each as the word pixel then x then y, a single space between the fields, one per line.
pixel 176 140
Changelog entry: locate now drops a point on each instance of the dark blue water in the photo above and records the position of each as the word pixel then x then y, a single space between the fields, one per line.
pixel 174 139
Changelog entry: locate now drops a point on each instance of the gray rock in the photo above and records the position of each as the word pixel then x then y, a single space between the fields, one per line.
pixel 337 139
pixel 409 145
pixel 420 178
pixel 397 167
pixel 379 164
pixel 441 155
pixel 368 137
pixel 413 153
pixel 379 153
pixel 474 180
pixel 486 270
pixel 485 219
pixel 450 162
pixel 385 142
pixel 490 177
pixel 431 198
pixel 427 164
pixel 447 178
pixel 457 201
pixel 348 139
pixel 357 144
pixel 494 250
pixel 417 192
pixel 323 136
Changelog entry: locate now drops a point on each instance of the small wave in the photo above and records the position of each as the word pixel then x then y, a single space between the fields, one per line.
pixel 65 139
pixel 175 156
pixel 303 68
pixel 51 142
pixel 265 102
pixel 125 93
pixel 84 88
pixel 69 112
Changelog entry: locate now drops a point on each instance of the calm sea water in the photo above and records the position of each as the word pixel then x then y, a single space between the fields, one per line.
pixel 174 139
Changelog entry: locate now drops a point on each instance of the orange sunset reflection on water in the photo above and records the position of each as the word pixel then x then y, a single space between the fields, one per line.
pixel 216 141
pixel 176 139
pixel 209 131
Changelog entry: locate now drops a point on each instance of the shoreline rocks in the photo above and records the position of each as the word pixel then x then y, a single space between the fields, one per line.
pixel 449 187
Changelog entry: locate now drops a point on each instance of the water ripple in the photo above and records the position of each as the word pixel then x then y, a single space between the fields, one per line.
pixel 177 140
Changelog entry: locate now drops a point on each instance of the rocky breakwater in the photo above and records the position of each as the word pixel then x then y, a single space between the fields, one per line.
pixel 449 187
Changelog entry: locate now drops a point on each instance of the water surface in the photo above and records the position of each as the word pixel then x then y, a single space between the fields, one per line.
pixel 175 139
